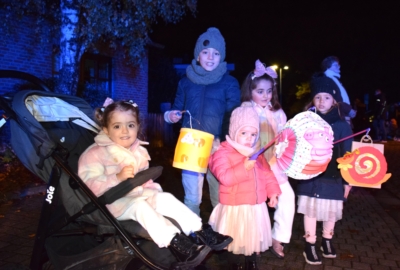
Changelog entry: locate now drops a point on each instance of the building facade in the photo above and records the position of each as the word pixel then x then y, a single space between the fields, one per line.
pixel 21 49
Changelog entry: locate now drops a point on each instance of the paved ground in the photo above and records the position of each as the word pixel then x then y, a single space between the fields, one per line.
pixel 368 237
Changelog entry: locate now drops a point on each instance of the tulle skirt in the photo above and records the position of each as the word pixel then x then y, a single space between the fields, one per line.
pixel 248 225
pixel 321 209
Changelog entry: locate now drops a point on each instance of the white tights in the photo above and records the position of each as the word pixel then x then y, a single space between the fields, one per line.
pixel 310 228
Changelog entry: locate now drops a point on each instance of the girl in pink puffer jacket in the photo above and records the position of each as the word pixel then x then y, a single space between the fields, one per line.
pixel 245 185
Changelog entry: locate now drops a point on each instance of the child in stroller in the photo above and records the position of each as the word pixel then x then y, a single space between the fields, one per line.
pixel 117 155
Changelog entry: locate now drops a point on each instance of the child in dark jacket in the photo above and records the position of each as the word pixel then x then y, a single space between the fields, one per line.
pixel 321 198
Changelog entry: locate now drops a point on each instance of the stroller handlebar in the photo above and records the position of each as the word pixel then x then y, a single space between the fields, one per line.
pixel 126 186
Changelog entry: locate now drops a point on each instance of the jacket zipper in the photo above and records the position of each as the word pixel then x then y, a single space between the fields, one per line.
pixel 255 179
pixel 201 106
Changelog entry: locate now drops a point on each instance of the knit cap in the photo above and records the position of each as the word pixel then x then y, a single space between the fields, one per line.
pixel 210 39
pixel 323 84
pixel 243 117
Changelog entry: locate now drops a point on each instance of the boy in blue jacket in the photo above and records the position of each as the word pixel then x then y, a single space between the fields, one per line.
pixel 210 94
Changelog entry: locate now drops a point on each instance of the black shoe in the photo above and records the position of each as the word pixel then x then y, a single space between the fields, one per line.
pixel 212 239
pixel 187 253
pixel 310 254
pixel 236 266
pixel 328 251
pixel 251 265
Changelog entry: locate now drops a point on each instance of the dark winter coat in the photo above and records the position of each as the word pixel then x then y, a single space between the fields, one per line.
pixel 209 105
pixel 380 107
pixel 329 184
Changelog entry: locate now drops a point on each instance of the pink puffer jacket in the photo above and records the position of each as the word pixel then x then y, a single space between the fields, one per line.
pixel 237 185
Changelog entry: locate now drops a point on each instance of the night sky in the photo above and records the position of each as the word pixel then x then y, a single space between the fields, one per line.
pixel 299 34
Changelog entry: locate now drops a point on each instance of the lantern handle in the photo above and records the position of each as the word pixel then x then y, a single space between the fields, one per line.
pixel 351 136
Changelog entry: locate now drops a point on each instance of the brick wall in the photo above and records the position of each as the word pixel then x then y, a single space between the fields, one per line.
pixel 130 83
pixel 23 51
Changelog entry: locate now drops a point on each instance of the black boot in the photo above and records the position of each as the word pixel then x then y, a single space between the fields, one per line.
pixel 187 253
pixel 211 238
pixel 235 262
pixel 328 251
pixel 237 266
pixel 251 262
pixel 310 254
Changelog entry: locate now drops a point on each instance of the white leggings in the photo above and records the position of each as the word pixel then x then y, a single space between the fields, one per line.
pixel 284 214
pixel 150 214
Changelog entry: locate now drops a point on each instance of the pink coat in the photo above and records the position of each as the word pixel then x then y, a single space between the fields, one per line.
pixel 100 163
pixel 237 185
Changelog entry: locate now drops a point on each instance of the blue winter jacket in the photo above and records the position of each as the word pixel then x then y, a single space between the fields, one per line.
pixel 210 105
pixel 329 184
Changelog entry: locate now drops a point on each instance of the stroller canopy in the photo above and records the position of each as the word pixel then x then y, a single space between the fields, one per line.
pixel 32 106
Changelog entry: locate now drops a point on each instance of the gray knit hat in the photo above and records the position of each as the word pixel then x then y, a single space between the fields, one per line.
pixel 323 84
pixel 243 117
pixel 210 39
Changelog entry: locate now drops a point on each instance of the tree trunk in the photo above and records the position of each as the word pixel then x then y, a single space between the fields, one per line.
pixel 71 49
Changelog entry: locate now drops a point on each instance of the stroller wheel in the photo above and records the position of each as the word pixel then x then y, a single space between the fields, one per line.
pixel 48 266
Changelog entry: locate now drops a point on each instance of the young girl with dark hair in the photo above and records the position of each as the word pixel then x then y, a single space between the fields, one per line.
pixel 117 155
pixel 259 91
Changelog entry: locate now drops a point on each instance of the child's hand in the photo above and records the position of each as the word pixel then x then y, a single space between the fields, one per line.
pixel 215 145
pixel 175 116
pixel 347 189
pixel 273 200
pixel 125 173
pixel 249 164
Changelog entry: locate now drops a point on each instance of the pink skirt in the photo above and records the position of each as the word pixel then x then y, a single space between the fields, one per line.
pixel 248 225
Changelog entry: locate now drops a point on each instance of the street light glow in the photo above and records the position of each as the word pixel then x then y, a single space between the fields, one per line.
pixel 276 67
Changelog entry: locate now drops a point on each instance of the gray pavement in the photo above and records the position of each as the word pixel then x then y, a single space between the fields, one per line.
pixel 19 219
pixel 368 236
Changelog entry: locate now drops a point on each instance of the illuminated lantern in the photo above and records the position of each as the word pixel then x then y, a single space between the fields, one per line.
pixel 304 146
pixel 193 150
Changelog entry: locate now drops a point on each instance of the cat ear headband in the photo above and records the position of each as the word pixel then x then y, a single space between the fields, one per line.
pixel 261 69
pixel 109 101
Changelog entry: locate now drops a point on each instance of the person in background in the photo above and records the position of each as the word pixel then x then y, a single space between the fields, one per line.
pixel 360 121
pixel 380 116
pixel 397 118
pixel 393 129
pixel 209 94
pixel 331 68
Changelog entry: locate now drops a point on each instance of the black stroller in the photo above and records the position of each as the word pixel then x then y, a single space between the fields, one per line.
pixel 76 230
